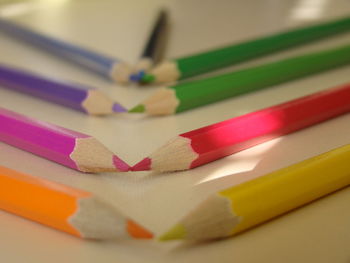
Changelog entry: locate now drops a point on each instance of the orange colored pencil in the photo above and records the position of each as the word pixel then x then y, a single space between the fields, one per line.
pixel 68 209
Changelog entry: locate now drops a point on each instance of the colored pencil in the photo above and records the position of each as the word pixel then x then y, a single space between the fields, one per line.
pixel 154 48
pixel 69 148
pixel 207 144
pixel 67 209
pixel 77 97
pixel 112 68
pixel 189 95
pixel 246 205
pixel 196 64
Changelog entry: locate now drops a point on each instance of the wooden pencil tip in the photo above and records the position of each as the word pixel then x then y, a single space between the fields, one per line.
pixel 138 231
pixel 177 232
pixel 120 164
pixel 137 77
pixel 148 78
pixel 137 109
pixel 144 165
pixel 118 108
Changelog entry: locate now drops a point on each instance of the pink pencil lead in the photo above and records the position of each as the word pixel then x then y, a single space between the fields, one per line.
pixel 144 165
pixel 120 164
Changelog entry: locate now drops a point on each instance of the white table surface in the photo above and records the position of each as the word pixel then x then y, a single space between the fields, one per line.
pixel 318 232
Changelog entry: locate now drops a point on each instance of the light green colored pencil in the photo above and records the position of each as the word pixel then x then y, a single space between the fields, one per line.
pixel 189 66
pixel 189 95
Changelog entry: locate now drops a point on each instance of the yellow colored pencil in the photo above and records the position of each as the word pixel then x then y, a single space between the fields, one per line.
pixel 246 205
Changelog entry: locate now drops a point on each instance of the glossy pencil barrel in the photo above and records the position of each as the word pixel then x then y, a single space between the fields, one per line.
pixel 50 90
pixel 66 147
pixel 215 59
pixel 77 97
pixel 198 147
pixel 64 208
pixel 237 134
pixel 99 63
pixel 198 93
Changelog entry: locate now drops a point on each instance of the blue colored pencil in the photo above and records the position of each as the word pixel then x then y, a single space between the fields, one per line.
pixel 77 97
pixel 112 68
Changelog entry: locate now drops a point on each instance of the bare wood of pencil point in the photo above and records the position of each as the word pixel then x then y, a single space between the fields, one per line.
pixel 165 72
pixel 96 103
pixel 120 72
pixel 93 157
pixel 162 102
pixel 175 155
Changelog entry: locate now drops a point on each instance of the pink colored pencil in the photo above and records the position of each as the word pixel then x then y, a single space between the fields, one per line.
pixel 204 145
pixel 69 148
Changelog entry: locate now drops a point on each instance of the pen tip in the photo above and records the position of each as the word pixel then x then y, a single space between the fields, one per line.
pixel 137 109
pixel 143 165
pixel 177 232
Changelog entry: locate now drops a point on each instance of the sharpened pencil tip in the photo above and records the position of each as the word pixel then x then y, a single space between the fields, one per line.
pixel 148 78
pixel 120 164
pixel 177 232
pixel 137 77
pixel 144 165
pixel 137 109
pixel 118 108
pixel 138 231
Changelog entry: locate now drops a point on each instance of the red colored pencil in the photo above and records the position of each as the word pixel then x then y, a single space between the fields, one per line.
pixel 204 145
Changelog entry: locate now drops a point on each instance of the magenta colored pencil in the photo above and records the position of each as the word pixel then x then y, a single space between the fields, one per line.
pixel 69 148
pixel 77 97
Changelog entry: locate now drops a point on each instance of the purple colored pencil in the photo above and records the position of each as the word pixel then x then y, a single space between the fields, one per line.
pixel 78 97
pixel 69 148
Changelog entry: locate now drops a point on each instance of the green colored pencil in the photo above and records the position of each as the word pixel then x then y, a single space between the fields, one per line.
pixel 189 95
pixel 196 64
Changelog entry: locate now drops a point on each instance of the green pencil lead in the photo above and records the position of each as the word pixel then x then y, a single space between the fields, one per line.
pixel 137 109
pixel 147 78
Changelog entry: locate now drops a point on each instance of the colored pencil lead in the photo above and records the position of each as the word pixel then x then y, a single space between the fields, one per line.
pixel 176 232
pixel 138 109
pixel 143 165
pixel 118 108
pixel 147 78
